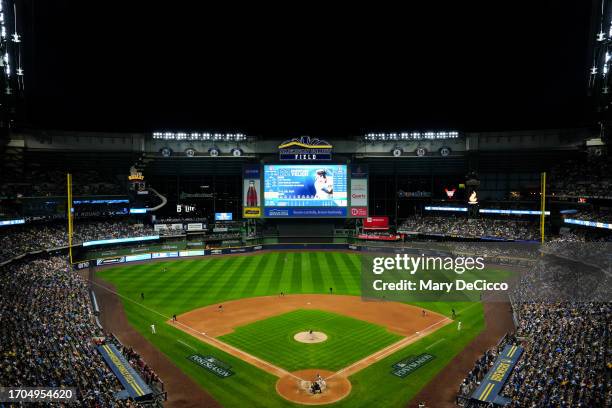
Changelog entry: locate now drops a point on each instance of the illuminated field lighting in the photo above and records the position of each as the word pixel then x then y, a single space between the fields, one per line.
pixel 220 137
pixel 404 136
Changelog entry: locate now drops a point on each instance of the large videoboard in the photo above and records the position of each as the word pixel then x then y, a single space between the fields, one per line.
pixel 305 190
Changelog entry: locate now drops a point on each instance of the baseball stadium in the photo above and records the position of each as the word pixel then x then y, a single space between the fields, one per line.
pixel 177 248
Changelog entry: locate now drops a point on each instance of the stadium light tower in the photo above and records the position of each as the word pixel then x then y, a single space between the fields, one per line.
pixel 599 75
pixel 11 68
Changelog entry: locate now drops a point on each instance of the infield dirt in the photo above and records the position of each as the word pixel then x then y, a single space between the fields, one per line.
pixel 210 322
pixel 398 318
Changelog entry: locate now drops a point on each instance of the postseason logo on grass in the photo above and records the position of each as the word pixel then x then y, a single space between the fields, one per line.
pixel 410 364
pixel 212 364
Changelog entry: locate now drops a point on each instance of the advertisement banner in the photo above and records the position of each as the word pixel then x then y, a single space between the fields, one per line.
pixel 359 212
pixel 195 226
pixel 380 237
pixel 155 255
pixel 251 212
pixel 197 252
pixel 359 192
pixel 376 223
pixel 139 257
pixel 251 192
pixel 359 171
pixel 109 261
pixel 223 216
pixel 359 197
pixel 279 212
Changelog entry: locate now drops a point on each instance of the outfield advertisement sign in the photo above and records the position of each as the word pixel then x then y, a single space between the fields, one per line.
pixel 195 226
pixel 138 257
pixel 359 191
pixel 109 261
pixel 359 212
pixel 410 364
pixel 155 255
pixel 376 223
pixel 120 240
pixel 192 253
pixel 93 254
pixel 212 364
pixel 251 192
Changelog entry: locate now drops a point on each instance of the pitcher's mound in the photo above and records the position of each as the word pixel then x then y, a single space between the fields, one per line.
pixel 296 387
pixel 307 337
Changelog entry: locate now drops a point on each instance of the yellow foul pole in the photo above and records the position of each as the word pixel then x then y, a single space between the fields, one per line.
pixel 542 204
pixel 70 226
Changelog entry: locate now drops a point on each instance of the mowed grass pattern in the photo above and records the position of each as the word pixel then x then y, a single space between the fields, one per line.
pixel 348 340
pixel 191 283
pixel 188 284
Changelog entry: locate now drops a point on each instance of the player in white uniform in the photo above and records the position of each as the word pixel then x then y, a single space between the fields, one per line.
pixel 324 185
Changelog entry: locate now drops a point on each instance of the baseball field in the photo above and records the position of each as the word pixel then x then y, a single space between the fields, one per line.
pixel 230 311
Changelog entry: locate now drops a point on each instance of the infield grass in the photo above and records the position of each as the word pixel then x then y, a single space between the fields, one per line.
pixel 188 284
pixel 348 340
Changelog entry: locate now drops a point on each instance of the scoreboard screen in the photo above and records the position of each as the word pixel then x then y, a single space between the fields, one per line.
pixel 306 190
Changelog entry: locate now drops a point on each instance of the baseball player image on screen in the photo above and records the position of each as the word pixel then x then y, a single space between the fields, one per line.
pixel 324 185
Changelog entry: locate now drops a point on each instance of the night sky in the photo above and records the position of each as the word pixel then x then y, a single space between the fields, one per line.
pixel 267 70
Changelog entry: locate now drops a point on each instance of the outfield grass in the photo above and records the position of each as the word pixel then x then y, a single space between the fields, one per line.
pixel 191 283
pixel 348 340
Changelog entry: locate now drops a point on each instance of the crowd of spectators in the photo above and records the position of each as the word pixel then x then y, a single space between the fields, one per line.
pixel 15 241
pixel 582 178
pixel 48 333
pixel 591 214
pixel 586 234
pixel 46 183
pixel 564 323
pixel 472 227
pixel 496 251
pixel 566 356
pixel 220 236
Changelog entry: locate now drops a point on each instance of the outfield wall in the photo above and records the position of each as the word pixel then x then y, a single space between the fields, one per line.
pixel 417 249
